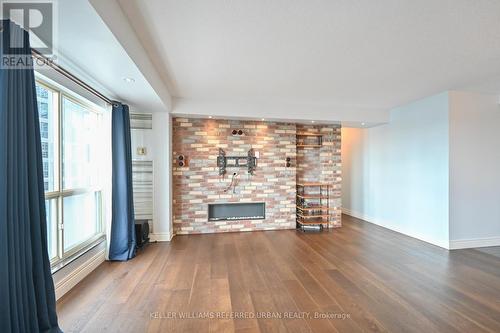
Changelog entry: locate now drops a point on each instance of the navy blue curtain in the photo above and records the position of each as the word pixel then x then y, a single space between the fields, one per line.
pixel 27 300
pixel 122 241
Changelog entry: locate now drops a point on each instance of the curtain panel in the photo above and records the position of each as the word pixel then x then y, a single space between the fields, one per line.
pixel 122 242
pixel 27 299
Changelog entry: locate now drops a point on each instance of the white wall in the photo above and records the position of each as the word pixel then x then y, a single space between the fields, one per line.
pixel 354 166
pixel 396 175
pixel 159 147
pixel 474 170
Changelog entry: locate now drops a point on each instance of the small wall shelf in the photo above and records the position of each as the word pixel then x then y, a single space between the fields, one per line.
pixel 313 216
pixel 313 222
pixel 307 196
pixel 308 146
pixel 313 208
pixel 309 134
pixel 309 140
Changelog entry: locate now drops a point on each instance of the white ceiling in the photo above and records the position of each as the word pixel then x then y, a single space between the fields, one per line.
pixel 88 48
pixel 362 54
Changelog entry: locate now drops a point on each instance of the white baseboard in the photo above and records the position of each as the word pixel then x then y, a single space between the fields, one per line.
pixel 358 215
pixel 353 213
pixel 69 281
pixel 453 244
pixel 161 237
pixel 474 242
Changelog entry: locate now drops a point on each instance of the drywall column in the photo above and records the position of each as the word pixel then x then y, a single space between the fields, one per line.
pixel 158 144
pixel 162 143
pixel 474 170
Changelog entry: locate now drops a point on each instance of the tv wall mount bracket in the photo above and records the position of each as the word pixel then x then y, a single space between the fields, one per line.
pixel 224 162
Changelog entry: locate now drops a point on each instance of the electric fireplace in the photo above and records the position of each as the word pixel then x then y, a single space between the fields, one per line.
pixel 237 211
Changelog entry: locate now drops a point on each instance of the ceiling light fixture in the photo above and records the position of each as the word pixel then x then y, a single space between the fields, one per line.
pixel 262 119
pixel 312 121
pixel 362 124
pixel 128 80
pixel 210 117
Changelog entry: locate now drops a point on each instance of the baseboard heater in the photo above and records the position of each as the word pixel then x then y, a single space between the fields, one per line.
pixel 237 211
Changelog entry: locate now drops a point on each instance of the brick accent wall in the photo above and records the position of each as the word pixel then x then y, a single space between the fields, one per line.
pixel 198 183
pixel 323 165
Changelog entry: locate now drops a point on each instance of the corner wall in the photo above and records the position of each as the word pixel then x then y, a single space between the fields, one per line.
pixel 396 175
pixel 474 170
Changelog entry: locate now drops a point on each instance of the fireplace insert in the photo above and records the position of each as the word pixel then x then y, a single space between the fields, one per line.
pixel 237 211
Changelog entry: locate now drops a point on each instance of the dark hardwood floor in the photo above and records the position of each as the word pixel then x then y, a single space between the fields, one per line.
pixel 361 277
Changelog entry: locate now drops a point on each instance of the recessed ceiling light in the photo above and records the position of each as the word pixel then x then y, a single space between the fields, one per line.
pixel 128 80
pixel 262 119
pixel 312 121
pixel 362 124
pixel 210 117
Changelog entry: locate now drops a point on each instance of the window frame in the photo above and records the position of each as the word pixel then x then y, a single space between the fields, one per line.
pixel 59 193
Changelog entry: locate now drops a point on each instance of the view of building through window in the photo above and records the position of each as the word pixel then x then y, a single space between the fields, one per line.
pixel 70 132
pixel 45 101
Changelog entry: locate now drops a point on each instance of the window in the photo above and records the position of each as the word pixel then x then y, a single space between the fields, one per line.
pixel 45 152
pixel 80 143
pixel 70 129
pixel 44 129
pixel 43 102
pixel 46 171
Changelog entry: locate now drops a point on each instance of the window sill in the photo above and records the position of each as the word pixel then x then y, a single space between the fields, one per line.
pixel 66 261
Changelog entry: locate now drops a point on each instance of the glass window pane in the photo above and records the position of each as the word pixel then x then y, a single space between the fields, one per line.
pixel 47 111
pixel 81 218
pixel 51 208
pixel 80 144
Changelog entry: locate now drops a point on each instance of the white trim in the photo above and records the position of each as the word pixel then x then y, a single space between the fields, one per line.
pixel 384 224
pixel 161 237
pixel 69 281
pixel 456 244
pixel 352 213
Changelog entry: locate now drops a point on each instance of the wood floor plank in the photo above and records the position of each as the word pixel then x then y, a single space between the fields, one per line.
pixel 359 278
pixel 241 301
pixel 221 305
pixel 265 310
pixel 200 298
